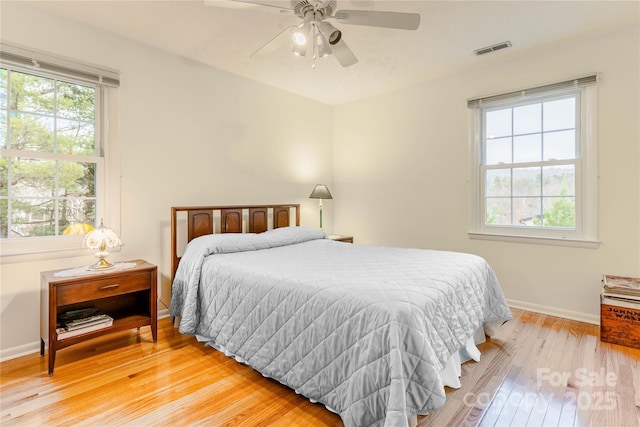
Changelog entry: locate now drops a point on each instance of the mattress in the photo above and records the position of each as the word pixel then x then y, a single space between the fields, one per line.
pixel 365 330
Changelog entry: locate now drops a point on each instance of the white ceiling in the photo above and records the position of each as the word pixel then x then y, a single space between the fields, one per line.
pixel 224 37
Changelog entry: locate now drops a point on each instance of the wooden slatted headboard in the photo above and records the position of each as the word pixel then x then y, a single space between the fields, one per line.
pixel 201 220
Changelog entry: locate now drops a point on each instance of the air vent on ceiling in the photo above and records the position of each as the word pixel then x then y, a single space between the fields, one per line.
pixel 492 48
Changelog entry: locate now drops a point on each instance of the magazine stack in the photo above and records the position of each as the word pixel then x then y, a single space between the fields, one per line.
pixel 620 310
pixel 624 288
pixel 82 321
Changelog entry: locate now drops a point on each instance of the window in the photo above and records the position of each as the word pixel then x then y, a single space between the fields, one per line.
pixel 56 141
pixel 535 174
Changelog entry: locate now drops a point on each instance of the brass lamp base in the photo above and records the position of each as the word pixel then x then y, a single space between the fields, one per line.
pixel 102 264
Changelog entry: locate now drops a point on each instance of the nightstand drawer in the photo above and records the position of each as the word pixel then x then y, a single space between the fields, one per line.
pixel 103 288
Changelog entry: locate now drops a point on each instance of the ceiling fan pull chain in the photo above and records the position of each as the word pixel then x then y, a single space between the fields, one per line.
pixel 314 46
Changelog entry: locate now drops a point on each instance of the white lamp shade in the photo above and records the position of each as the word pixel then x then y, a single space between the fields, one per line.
pixel 101 238
pixel 101 235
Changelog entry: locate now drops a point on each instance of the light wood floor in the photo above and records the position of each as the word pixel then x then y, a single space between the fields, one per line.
pixel 539 370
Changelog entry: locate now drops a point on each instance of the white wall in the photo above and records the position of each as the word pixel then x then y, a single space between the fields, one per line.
pixel 397 164
pixel 401 166
pixel 190 135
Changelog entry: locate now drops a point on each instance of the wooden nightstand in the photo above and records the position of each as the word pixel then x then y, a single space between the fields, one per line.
pixel 340 238
pixel 129 296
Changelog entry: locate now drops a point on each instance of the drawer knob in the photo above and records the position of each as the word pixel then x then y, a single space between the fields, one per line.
pixel 105 287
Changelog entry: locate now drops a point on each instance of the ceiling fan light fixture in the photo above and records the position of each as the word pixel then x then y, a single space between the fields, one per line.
pixel 322 46
pixel 299 50
pixel 331 33
pixel 299 38
pixel 301 34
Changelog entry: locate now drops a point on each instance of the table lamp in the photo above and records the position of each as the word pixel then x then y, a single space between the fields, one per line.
pixel 101 238
pixel 320 192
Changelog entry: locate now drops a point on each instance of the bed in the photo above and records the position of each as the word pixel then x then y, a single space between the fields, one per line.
pixel 373 333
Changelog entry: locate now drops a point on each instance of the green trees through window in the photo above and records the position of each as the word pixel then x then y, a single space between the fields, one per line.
pixel 534 175
pixel 49 157
pixel 530 153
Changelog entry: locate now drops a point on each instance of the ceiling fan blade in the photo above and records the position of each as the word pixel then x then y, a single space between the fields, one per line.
pixel 273 44
pixel 398 20
pixel 343 54
pixel 246 4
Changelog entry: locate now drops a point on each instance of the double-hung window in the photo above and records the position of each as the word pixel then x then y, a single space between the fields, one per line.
pixel 57 138
pixel 535 165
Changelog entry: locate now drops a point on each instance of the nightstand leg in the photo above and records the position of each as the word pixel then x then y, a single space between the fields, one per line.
pixel 52 359
pixel 41 347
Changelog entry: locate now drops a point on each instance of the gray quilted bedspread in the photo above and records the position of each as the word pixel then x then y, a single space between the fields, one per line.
pixel 365 330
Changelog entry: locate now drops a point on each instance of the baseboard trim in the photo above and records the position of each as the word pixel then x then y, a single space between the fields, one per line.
pixel 19 351
pixel 555 311
pixel 34 347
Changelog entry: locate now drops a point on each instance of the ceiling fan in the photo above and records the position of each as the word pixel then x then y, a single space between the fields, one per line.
pixel 319 38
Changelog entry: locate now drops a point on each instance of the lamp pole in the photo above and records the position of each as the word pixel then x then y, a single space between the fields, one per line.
pixel 320 192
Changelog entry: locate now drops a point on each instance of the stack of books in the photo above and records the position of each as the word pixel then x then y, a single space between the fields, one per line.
pixel 82 321
pixel 621 288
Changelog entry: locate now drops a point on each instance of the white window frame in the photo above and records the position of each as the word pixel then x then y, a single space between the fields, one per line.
pixel 107 144
pixel 585 233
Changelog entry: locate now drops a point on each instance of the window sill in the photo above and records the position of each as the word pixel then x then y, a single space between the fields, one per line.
pixel 550 241
pixel 43 255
